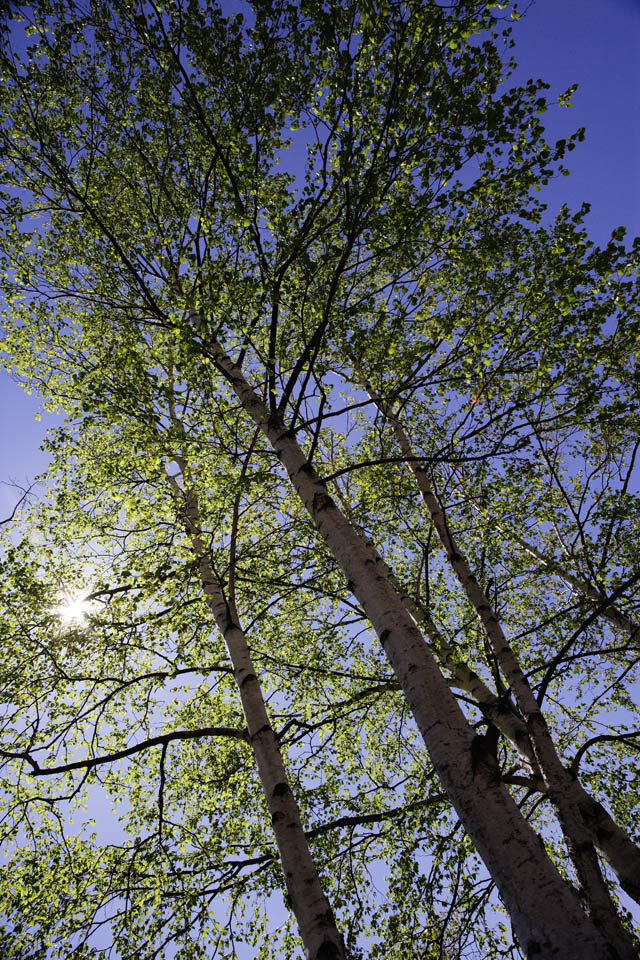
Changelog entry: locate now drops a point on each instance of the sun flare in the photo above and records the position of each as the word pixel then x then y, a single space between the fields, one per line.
pixel 73 609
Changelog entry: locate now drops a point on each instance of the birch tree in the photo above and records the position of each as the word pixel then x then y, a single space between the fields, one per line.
pixel 150 214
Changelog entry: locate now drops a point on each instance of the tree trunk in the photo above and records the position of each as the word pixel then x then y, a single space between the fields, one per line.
pixel 316 923
pixel 558 781
pixel 545 912
pixel 612 843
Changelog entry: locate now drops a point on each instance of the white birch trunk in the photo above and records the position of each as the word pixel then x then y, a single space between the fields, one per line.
pixel 559 783
pixel 612 843
pixel 547 918
pixel 320 936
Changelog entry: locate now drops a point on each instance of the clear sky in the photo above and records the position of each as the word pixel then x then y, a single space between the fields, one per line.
pixel 595 43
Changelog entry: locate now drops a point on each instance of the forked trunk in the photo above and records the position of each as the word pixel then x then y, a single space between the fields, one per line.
pixel 559 783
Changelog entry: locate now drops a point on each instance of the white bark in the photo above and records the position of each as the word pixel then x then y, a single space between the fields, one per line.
pixel 559 784
pixel 610 840
pixel 545 913
pixel 316 923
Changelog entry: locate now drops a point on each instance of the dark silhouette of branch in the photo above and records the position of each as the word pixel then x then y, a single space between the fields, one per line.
pixel 630 738
pixel 358 820
pixel 607 602
pixel 161 740
pixel 18 504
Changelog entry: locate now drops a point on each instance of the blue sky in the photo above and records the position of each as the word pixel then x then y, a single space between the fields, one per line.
pixel 595 43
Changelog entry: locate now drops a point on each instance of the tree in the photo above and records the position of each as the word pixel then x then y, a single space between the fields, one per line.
pixel 195 311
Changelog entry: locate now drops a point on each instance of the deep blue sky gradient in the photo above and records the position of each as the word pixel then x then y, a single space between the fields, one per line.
pixel 595 43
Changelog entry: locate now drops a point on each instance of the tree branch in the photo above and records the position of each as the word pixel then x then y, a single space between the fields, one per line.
pixel 630 738
pixel 161 740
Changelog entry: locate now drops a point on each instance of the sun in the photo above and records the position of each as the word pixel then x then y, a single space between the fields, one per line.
pixel 73 610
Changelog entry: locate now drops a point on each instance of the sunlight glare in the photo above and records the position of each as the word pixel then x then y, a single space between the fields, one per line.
pixel 73 610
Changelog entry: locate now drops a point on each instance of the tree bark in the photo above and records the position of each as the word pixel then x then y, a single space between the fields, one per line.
pixel 612 843
pixel 319 933
pixel 559 783
pixel 547 918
